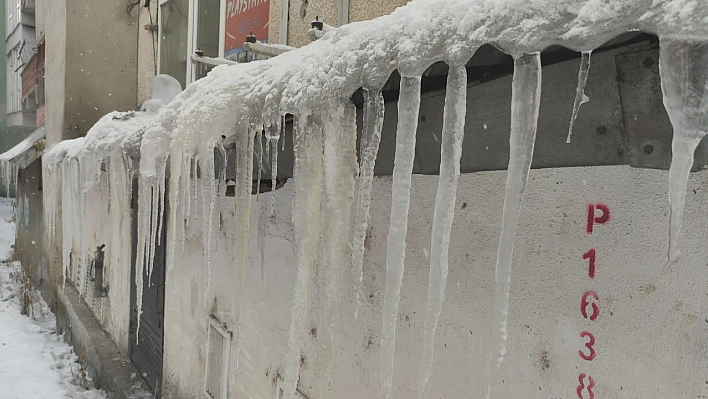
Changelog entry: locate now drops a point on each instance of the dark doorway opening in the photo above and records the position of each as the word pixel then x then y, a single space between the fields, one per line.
pixel 146 345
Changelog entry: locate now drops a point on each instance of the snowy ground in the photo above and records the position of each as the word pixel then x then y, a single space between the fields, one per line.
pixel 34 361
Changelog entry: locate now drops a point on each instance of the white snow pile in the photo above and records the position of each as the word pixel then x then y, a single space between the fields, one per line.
pixel 314 84
pixel 34 361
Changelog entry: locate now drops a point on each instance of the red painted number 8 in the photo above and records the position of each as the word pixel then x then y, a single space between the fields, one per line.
pixel 581 387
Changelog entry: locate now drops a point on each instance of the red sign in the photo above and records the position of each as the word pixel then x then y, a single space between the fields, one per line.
pixel 243 17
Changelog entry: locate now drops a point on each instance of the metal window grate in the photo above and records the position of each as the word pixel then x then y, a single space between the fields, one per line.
pixel 217 361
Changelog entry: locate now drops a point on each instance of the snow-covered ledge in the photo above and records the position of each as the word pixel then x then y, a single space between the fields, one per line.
pixel 314 84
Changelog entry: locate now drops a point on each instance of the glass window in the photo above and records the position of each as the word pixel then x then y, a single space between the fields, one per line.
pixel 207 40
pixel 173 46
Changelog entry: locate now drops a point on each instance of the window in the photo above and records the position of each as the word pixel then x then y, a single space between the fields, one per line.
pixel 174 26
pixel 207 33
pixel 217 367
pixel 14 80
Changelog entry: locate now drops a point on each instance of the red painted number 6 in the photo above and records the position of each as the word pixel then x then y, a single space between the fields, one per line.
pixel 584 304
pixel 588 345
pixel 581 387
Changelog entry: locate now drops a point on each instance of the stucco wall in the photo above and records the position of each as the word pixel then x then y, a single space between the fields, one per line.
pixel 55 67
pixel 147 51
pixel 650 336
pixel 91 64
pixel 101 63
pixel 326 10
pixel 30 220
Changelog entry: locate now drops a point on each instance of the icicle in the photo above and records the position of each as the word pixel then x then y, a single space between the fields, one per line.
pixel 339 177
pixel 225 158
pixel 208 193
pixel 152 236
pixel 189 175
pixel 525 100
pixel 83 246
pixel 369 148
pixel 274 166
pixel 176 173
pixel 67 216
pixel 118 188
pixel 186 176
pixel 259 158
pixel 308 171
pixel 195 176
pixel 683 66
pixel 580 97
pixel 282 132
pixel 453 132
pixel 244 184
pixel 144 207
pixel 408 109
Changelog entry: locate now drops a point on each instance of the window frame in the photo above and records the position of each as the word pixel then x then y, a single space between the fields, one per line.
pixel 192 31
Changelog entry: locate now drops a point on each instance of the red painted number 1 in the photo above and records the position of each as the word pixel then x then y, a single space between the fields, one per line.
pixel 590 256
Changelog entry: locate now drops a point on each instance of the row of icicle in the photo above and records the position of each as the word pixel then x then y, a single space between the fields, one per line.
pixel 324 145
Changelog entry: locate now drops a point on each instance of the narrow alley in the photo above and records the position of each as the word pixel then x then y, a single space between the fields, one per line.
pixel 34 361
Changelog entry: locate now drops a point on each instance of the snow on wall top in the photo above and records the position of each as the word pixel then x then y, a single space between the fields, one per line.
pixel 364 54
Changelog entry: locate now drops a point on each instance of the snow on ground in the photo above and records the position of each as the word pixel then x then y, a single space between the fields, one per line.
pixel 34 361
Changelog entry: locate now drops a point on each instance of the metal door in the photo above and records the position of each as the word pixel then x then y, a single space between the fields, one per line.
pixel 146 348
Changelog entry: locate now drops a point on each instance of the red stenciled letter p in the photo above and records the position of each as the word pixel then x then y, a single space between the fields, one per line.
pixel 594 219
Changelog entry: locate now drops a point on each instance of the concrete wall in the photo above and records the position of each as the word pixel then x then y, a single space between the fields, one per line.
pixel 39 16
pixel 101 66
pixel 91 64
pixel 643 322
pixel 326 10
pixel 30 219
pixel 147 51
pixel 55 19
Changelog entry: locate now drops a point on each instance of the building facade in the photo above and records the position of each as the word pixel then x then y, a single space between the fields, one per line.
pixel 211 319
pixel 20 47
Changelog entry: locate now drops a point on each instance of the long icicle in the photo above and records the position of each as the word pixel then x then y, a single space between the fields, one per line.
pixel 453 132
pixel 67 217
pixel 684 82
pixel 339 178
pixel 274 164
pixel 408 110
pixel 580 97
pixel 244 184
pixel 369 148
pixel 143 225
pixel 525 101
pixel 173 197
pixel 308 172
pixel 208 197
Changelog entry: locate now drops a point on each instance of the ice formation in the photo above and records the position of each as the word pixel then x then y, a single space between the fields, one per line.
pixel 408 108
pixel 525 102
pixel 369 148
pixel 453 132
pixel 313 84
pixel 580 97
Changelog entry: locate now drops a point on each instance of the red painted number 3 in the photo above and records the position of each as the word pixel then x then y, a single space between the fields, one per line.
pixel 589 345
pixel 582 387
